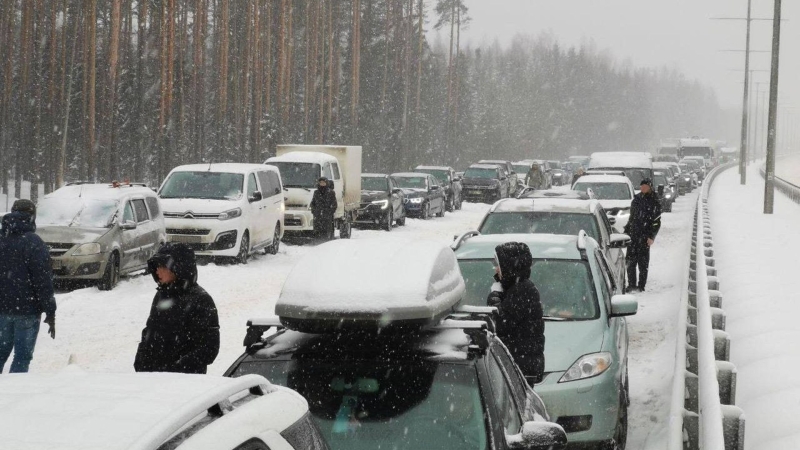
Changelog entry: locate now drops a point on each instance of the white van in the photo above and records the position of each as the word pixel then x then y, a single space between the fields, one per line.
pixel 227 210
pixel 636 165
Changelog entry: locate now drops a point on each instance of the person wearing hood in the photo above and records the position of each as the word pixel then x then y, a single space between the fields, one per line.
pixel 536 178
pixel 26 286
pixel 323 207
pixel 182 332
pixel 520 323
pixel 642 227
pixel 578 174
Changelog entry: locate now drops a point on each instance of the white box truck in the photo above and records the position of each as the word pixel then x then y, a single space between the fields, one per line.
pixel 301 166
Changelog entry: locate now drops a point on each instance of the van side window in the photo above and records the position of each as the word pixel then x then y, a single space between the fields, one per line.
pixel 275 183
pixel 127 215
pixel 252 187
pixel 326 171
pixel 155 208
pixel 141 211
pixel 336 174
pixel 266 186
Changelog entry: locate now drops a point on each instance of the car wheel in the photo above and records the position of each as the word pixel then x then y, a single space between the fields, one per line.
pixel 111 275
pixel 621 432
pixel 276 242
pixel 244 249
pixel 401 222
pixel 346 230
pixel 426 211
pixel 387 225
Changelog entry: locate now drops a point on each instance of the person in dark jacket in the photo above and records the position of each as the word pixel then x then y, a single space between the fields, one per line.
pixel 578 174
pixel 642 227
pixel 323 208
pixel 26 286
pixel 182 332
pixel 520 322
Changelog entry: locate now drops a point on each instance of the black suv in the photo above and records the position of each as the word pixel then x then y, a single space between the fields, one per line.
pixel 381 202
pixel 485 183
pixel 451 183
pixel 424 196
pixel 450 387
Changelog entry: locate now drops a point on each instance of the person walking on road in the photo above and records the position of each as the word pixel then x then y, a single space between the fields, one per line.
pixel 536 178
pixel 182 332
pixel 520 322
pixel 323 208
pixel 26 286
pixel 642 227
pixel 578 174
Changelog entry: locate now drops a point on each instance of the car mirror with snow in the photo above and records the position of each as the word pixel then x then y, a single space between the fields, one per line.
pixel 618 240
pixel 256 197
pixel 128 225
pixel 624 305
pixel 538 436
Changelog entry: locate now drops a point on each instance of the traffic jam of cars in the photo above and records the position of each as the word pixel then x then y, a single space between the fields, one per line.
pixel 355 357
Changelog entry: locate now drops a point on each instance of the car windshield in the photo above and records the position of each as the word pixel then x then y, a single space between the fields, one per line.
pixel 522 168
pixel 412 182
pixel 565 286
pixel 474 172
pixel 206 185
pixel 374 184
pixel 605 191
pixel 77 212
pixel 442 175
pixel 660 179
pixel 298 175
pixel 540 222
pixel 375 404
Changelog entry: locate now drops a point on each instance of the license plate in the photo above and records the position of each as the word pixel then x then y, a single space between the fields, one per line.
pixel 186 239
pixel 476 192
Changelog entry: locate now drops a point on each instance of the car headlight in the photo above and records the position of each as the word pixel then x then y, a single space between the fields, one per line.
pixel 587 366
pixel 667 196
pixel 382 203
pixel 232 214
pixel 91 248
pixel 416 200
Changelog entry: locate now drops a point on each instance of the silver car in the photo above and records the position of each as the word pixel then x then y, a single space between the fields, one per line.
pixel 99 232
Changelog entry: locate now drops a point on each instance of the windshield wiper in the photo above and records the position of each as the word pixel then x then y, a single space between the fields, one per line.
pixel 555 319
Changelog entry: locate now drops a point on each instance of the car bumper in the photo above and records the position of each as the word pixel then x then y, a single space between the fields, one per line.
pixel 570 404
pixel 480 194
pixel 298 221
pixel 207 237
pixel 414 209
pixel 371 214
pixel 89 267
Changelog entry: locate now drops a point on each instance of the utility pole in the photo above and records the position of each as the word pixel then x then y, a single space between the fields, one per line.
pixel 769 178
pixel 743 147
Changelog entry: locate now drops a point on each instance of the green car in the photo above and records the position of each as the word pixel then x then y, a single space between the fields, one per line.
pixel 585 385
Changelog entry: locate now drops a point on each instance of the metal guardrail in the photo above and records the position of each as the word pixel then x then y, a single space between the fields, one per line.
pixel 788 189
pixel 703 415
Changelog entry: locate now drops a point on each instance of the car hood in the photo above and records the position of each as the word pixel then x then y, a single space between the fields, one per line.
pixel 615 204
pixel 196 205
pixel 70 235
pixel 567 341
pixel 415 193
pixel 372 196
pixel 478 181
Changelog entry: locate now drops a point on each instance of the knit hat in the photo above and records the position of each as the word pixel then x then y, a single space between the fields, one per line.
pixel 24 206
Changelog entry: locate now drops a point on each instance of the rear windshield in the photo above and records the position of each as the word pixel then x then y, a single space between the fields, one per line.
pixel 540 222
pixel 374 405
pixel 206 185
pixel 480 173
pixel 605 191
pixel 298 175
pixel 374 184
pixel 565 286
pixel 635 175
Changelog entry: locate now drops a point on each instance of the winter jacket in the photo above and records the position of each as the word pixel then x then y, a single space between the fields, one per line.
pixel 645 218
pixel 323 203
pixel 536 179
pixel 520 322
pixel 26 276
pixel 182 332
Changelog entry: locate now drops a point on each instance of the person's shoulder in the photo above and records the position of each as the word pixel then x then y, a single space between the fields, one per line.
pixel 200 294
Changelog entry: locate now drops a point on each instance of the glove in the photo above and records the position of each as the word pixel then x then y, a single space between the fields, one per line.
pixel 50 320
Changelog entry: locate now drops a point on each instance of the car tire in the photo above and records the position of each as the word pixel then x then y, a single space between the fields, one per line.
pixel 387 224
pixel 441 211
pixel 401 222
pixel 244 249
pixel 426 212
pixel 111 275
pixel 276 242
pixel 345 231
pixel 621 432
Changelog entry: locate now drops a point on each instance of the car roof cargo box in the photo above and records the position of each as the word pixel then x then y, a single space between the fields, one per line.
pixel 371 285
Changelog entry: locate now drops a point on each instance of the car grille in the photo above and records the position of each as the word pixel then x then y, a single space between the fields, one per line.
pixel 189 215
pixel 292 221
pixel 59 249
pixel 188 232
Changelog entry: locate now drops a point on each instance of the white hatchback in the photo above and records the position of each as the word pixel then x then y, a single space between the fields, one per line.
pixel 227 210
pixel 614 192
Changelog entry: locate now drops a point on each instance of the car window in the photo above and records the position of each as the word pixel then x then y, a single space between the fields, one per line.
pixel 304 434
pixel 252 187
pixel 432 181
pixel 253 444
pixel 503 398
pixel 600 214
pixel 512 371
pixel 127 215
pixel 155 208
pixel 266 187
pixel 274 183
pixel 141 210
pixel 326 171
pixel 607 282
pixel 336 174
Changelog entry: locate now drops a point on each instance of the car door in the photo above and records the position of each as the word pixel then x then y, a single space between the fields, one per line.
pixel 146 233
pixel 267 210
pixel 437 194
pixel 254 217
pixel 276 203
pixel 504 186
pixel 505 402
pixel 618 326
pixel 129 251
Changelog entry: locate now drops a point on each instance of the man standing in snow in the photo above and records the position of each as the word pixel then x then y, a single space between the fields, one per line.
pixel 536 177
pixel 182 332
pixel 642 227
pixel 520 323
pixel 323 208
pixel 26 286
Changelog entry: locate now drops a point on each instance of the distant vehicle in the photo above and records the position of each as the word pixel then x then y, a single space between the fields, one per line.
pixel 668 149
pixel 683 179
pixel 585 387
pixel 224 210
pixel 513 177
pixel 673 173
pixel 559 176
pixel 552 193
pixel 580 159
pixel 389 358
pixel 690 170
pixel 450 181
pixel 695 146
pixel 99 232
pixel 382 202
pixel 665 158
pixel 695 166
pixel 524 167
pixel 485 183
pixel 663 186
pixel 301 166
pixel 636 165
pixel 424 197
pixel 614 192
pixel 153 411
pixel 559 216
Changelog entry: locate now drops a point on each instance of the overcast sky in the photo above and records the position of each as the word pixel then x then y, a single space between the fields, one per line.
pixel 675 33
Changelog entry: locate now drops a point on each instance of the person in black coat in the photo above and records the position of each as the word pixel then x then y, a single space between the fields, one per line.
pixel 182 332
pixel 323 208
pixel 520 322
pixel 642 227
pixel 26 286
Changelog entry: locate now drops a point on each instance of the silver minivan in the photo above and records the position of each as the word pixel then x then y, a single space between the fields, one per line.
pixel 100 232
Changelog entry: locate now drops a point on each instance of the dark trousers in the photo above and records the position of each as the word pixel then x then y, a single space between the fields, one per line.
pixel 323 225
pixel 18 333
pixel 638 257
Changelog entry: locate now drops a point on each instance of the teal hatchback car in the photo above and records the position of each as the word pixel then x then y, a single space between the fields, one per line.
pixel 585 385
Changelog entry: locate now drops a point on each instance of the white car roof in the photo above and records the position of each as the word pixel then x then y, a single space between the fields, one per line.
pixel 603 179
pixel 432 168
pixel 78 410
pixel 621 159
pixel 557 205
pixel 220 168
pixel 100 191
pixel 483 166
pixel 303 157
pixel 410 175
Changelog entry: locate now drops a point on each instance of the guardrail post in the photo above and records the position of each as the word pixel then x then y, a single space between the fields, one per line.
pixel 726 376
pixel 722 346
pixel 733 427
pixel 691 425
pixel 715 298
pixel 718 319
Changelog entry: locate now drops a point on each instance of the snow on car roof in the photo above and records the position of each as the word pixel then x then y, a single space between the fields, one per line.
pixel 356 279
pixel 555 246
pixel 621 159
pixel 99 191
pixel 78 410
pixel 432 168
pixel 557 205
pixel 219 168
pixel 603 179
pixel 374 175
pixel 303 157
pixel 409 175
pixel 483 166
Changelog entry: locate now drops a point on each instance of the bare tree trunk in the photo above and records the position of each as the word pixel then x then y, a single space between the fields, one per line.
pixel 92 68
pixel 113 61
pixel 62 154
pixel 356 75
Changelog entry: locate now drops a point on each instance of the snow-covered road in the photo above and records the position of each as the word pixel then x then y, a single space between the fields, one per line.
pixel 100 330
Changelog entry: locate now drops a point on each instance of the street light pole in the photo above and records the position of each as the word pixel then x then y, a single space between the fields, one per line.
pixel 769 178
pixel 743 147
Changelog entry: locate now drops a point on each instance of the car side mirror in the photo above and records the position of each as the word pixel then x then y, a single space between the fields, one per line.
pixel 256 197
pixel 434 188
pixel 538 436
pixel 623 305
pixel 128 225
pixel 619 240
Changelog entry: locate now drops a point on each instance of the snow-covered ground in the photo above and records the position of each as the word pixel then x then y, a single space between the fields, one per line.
pixel 787 168
pixel 756 258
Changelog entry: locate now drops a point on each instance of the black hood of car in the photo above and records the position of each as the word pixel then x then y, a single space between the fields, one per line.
pixel 466 182
pixel 415 193
pixel 372 196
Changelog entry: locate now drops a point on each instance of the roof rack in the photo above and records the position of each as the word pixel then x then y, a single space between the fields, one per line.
pixel 257 327
pixel 459 240
pixel 475 329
